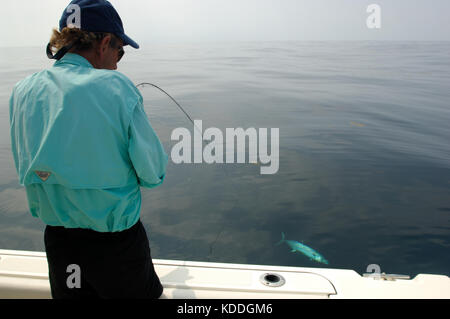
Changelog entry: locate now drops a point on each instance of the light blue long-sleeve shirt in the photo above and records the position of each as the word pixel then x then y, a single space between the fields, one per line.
pixel 83 146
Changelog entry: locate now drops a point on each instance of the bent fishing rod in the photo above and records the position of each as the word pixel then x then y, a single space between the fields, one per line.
pixel 143 84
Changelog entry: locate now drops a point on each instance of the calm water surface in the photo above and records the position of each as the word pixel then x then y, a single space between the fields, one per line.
pixel 364 174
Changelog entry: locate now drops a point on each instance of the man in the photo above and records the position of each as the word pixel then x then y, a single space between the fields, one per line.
pixel 82 146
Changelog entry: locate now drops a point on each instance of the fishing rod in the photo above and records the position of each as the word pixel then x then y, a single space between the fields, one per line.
pixel 179 106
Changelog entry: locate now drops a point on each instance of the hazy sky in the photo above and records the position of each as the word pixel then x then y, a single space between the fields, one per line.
pixel 29 22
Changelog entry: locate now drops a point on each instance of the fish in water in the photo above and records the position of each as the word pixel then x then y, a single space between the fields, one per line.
pixel 308 251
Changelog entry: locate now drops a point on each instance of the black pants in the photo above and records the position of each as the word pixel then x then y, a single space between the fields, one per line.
pixel 88 264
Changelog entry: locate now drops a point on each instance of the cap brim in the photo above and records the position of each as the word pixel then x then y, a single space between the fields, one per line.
pixel 128 41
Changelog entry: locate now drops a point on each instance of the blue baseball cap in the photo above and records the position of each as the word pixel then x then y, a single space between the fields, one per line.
pixel 95 16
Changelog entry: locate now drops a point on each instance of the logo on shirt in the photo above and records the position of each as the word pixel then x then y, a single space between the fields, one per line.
pixel 43 175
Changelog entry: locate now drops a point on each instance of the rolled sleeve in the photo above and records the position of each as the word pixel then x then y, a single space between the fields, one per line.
pixel 145 150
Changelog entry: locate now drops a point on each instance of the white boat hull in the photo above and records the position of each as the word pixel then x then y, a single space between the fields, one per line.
pixel 24 274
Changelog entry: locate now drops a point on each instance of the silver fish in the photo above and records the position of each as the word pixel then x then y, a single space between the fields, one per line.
pixel 308 251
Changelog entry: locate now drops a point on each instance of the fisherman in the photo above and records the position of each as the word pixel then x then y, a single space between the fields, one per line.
pixel 83 146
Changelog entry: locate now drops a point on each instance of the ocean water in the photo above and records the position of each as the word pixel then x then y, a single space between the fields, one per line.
pixel 364 153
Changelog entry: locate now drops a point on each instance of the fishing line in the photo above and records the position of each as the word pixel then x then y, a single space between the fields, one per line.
pixel 179 106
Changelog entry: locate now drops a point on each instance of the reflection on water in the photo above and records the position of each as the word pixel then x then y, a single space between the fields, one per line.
pixel 364 174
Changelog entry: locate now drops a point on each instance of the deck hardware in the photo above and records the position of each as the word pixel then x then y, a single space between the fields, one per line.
pixel 384 276
pixel 272 280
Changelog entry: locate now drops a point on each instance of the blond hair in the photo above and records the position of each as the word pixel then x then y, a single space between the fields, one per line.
pixel 84 40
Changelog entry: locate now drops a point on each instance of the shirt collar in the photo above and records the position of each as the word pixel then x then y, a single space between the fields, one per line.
pixel 72 58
